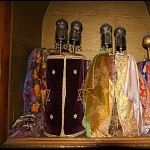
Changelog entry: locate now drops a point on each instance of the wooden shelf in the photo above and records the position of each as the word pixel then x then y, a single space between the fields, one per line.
pixel 76 142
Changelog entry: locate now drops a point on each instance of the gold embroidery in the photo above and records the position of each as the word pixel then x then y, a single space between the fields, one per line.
pixel 70 135
pixel 53 71
pixel 75 71
pixel 51 116
pixel 96 96
pixel 125 107
pixel 75 116
pixel 48 95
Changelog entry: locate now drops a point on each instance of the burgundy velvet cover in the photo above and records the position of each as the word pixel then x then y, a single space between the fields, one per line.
pixel 76 70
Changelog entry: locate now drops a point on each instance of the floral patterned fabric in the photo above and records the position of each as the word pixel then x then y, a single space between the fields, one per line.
pixel 39 80
pixel 34 91
pixel 144 79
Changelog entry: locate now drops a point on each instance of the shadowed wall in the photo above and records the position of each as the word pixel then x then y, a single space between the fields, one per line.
pixel 26 35
pixel 132 15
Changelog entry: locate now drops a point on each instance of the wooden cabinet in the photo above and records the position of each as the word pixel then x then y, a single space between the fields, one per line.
pixel 5 50
pixel 5 71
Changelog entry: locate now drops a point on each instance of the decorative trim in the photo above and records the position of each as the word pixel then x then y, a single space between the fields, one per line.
pixel 48 95
pixel 66 56
pixel 80 95
pixel 69 135
pixel 63 97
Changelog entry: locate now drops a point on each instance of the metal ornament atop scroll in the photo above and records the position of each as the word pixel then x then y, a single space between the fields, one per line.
pixel 106 35
pixel 120 39
pixel 61 34
pixel 75 34
pixel 146 44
